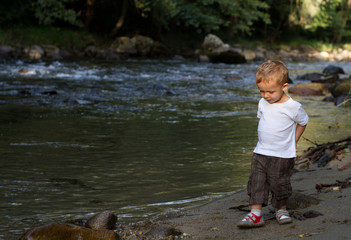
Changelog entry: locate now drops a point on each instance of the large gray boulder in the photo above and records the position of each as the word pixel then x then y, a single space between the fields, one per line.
pixel 34 52
pixel 211 42
pixel 51 51
pixel 138 45
pixel 219 52
pixel 143 44
pixel 249 54
pixel 125 45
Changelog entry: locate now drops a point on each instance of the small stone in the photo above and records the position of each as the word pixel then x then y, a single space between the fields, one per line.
pixel 104 220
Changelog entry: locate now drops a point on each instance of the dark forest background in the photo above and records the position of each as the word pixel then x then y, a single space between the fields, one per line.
pixel 81 22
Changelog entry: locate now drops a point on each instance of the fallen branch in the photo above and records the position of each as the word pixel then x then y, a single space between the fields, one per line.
pixel 328 187
pixel 324 153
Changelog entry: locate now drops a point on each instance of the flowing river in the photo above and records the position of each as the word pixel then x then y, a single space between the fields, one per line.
pixel 137 137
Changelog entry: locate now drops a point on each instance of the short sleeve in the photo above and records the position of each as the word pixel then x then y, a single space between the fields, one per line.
pixel 301 116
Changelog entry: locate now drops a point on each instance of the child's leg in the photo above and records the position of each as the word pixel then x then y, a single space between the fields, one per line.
pixel 258 192
pixel 279 180
pixel 256 209
pixel 256 206
pixel 279 174
pixel 257 187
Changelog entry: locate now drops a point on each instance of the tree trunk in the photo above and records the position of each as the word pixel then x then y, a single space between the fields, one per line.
pixel 120 21
pixel 88 13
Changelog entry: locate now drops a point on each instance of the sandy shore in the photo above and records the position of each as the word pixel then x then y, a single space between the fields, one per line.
pixel 217 220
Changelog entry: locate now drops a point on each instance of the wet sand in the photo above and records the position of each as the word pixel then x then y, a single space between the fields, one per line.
pixel 217 221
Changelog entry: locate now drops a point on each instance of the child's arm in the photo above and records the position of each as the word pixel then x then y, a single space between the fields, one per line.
pixel 298 133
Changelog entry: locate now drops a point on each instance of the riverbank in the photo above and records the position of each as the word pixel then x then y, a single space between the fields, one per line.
pixel 218 219
pixel 59 44
pixel 195 145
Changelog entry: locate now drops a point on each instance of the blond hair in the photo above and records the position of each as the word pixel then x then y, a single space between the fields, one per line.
pixel 272 70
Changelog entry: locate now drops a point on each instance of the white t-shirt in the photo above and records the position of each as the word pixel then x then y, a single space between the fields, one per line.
pixel 276 128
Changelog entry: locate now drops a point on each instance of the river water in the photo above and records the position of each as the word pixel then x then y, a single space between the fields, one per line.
pixel 138 137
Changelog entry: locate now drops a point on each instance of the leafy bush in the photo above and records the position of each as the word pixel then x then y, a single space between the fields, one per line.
pixel 50 11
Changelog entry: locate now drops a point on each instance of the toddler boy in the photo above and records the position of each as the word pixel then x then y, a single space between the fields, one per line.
pixel 282 122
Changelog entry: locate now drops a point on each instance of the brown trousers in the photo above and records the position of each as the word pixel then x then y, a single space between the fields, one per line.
pixel 270 175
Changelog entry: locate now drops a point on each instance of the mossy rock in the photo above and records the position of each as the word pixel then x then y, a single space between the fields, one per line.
pixel 341 89
pixel 309 89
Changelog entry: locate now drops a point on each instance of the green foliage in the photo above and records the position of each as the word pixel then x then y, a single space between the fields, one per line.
pixel 267 20
pixel 198 18
pixel 318 14
pixel 319 45
pixel 212 15
pixel 329 15
pixel 63 38
pixel 50 11
pixel 204 16
pixel 144 6
pixel 159 11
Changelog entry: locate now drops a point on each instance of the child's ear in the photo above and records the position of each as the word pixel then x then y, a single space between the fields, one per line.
pixel 285 86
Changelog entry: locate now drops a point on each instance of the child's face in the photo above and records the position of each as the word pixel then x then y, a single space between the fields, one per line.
pixel 273 92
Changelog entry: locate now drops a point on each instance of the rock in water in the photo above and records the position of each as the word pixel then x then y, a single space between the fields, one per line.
pixel 59 231
pixel 104 220
pixel 311 89
pixel 310 76
pixel 331 69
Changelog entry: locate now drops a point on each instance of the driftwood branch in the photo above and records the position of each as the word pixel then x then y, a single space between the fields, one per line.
pixel 324 153
pixel 308 140
pixel 328 187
